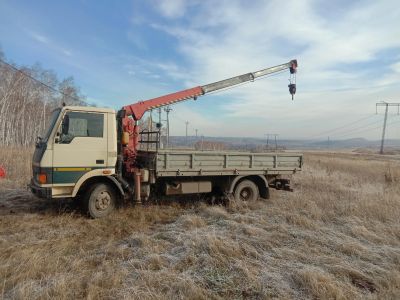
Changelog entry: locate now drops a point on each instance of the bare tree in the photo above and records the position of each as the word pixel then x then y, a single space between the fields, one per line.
pixel 26 103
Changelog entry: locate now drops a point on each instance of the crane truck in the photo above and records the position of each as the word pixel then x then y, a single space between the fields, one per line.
pixel 95 155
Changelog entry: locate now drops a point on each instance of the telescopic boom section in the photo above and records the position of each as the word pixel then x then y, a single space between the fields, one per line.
pixel 138 109
pixel 292 65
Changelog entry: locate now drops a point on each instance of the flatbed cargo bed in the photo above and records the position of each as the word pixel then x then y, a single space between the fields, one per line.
pixel 171 163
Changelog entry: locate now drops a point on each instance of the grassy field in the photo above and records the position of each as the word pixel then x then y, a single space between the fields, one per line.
pixel 337 236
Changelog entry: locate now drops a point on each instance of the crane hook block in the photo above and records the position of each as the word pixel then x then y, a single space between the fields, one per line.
pixel 293 66
pixel 292 89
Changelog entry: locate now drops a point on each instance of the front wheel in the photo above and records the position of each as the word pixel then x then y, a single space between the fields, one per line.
pixel 246 191
pixel 100 200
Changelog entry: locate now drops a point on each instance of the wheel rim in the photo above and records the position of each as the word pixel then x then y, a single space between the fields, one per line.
pixel 246 194
pixel 103 200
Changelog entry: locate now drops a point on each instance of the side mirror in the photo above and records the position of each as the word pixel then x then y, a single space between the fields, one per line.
pixel 65 125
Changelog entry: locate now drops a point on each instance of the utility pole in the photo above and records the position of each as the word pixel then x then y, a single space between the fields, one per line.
pixel 159 126
pixel 196 132
pixel 150 126
pixel 276 144
pixel 386 104
pixel 328 142
pixel 167 110
pixel 159 116
pixel 267 135
pixel 384 128
pixel 272 135
pixel 187 124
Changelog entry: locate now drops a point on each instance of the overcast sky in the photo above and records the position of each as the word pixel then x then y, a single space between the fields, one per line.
pixel 124 51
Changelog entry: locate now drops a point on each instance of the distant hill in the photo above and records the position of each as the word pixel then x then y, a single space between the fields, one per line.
pixel 250 143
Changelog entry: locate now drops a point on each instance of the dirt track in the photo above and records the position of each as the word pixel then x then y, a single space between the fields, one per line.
pixel 19 201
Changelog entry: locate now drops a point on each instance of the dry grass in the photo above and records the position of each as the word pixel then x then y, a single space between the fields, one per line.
pixel 337 236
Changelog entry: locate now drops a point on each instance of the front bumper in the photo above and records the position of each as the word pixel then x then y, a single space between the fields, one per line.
pixel 38 191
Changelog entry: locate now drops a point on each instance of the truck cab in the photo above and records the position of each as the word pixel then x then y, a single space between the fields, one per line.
pixel 80 144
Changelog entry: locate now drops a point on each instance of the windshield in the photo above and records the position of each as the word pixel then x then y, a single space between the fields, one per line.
pixel 54 117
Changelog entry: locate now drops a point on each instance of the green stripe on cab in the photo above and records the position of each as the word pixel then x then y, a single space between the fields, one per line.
pixel 67 176
pixel 72 174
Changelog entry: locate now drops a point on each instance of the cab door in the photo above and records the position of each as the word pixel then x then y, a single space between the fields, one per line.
pixel 80 146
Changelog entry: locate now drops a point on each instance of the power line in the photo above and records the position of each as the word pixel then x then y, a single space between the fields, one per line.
pixel 361 130
pixel 38 81
pixel 356 128
pixel 349 89
pixel 341 127
pixel 344 130
pixel 367 129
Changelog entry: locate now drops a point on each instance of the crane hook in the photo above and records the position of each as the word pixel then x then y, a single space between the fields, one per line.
pixel 292 89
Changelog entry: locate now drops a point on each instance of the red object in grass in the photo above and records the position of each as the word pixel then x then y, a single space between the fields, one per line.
pixel 2 173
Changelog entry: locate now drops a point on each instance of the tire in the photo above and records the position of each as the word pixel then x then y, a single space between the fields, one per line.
pixel 100 200
pixel 246 191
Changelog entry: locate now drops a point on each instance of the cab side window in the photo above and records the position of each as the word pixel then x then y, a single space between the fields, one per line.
pixel 82 124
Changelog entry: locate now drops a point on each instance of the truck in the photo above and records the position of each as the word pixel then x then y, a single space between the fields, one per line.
pixel 97 155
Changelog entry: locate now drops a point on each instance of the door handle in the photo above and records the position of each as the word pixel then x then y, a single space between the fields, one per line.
pixel 99 161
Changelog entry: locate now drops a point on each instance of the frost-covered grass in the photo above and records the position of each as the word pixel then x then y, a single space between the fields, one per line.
pixel 337 236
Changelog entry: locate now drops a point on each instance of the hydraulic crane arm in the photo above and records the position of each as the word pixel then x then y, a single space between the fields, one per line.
pixel 129 128
pixel 138 109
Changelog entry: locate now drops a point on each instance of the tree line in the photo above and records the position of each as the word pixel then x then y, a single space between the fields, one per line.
pixel 26 104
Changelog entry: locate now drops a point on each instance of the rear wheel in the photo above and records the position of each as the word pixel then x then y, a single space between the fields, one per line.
pixel 247 191
pixel 100 200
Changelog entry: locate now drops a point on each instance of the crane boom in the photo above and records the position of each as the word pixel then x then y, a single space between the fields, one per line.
pixel 129 127
pixel 137 110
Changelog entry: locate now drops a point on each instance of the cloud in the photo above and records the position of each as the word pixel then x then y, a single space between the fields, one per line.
pixel 41 38
pixel 171 8
pixel 153 68
pixel 38 37
pixel 67 52
pixel 343 50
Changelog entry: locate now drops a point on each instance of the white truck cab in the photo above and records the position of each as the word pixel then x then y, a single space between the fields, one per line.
pixel 80 143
